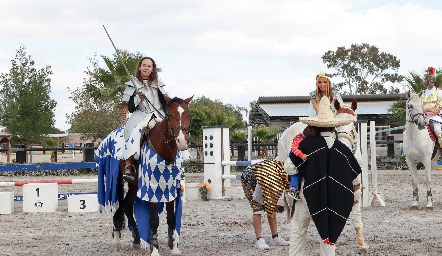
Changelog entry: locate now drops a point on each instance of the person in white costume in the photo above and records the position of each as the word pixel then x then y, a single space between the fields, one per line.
pixel 146 105
pixel 326 186
pixel 432 101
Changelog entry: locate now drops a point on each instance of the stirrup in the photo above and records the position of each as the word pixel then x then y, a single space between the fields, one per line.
pixel 127 175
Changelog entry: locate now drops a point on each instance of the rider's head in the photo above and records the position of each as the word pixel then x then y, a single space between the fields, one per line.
pixel 146 70
pixel 323 86
pixel 430 78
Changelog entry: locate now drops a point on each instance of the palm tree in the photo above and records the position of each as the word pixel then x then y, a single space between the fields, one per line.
pixel 415 84
pixel 108 83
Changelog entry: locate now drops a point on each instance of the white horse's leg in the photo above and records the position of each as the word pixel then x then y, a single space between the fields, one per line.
pixel 357 224
pixel 175 251
pixel 413 171
pixel 116 234
pixel 356 218
pixel 428 182
pixel 155 252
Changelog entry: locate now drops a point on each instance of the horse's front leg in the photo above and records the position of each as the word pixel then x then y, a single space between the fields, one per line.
pixel 118 218
pixel 129 210
pixel 413 172
pixel 171 231
pixel 428 182
pixel 154 222
pixel 357 218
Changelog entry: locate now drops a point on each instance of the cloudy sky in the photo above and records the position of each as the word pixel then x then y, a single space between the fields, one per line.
pixel 232 50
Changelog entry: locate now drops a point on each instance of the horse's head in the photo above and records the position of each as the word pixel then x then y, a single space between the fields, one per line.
pixel 415 111
pixel 178 119
pixel 348 134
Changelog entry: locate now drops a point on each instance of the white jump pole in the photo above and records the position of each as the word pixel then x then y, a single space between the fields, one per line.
pixel 249 143
pixel 366 191
pixel 216 147
pixel 375 194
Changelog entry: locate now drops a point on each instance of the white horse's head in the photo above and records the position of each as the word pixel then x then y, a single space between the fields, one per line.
pixel 347 134
pixel 415 111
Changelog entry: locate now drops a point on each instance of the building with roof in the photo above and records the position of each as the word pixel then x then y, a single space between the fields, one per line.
pixel 283 111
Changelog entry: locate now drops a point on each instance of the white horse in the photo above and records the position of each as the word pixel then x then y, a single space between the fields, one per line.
pixel 419 147
pixel 348 135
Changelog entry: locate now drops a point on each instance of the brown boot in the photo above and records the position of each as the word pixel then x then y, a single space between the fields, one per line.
pixel 360 239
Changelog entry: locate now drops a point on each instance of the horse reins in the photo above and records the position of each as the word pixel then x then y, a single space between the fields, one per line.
pixel 414 116
pixel 172 131
pixel 350 136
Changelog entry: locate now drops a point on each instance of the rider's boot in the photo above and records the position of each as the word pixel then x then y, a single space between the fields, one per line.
pixel 129 170
pixel 439 139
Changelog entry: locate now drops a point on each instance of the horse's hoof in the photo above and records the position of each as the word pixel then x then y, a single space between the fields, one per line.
pixel 364 249
pixel 176 252
pixel 414 207
pixel 137 246
pixel 155 252
pixel 117 247
pixel 429 207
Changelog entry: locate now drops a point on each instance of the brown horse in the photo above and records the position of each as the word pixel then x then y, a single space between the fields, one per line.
pixel 157 180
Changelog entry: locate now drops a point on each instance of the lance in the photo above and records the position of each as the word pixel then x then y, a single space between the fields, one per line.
pixel 120 58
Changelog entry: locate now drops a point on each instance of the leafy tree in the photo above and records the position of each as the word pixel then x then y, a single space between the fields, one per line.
pixel 26 110
pixel 265 135
pixel 98 101
pixel 238 136
pixel 364 69
pixel 207 112
pixel 416 83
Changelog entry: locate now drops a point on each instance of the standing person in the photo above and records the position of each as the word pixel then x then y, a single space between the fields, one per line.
pixel 254 179
pixel 147 105
pixel 432 102
pixel 326 187
pixel 323 88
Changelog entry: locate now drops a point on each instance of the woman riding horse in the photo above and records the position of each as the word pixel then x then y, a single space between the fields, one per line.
pixel 157 182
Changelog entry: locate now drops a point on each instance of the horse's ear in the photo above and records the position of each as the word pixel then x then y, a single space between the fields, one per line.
pixel 420 93
pixel 354 104
pixel 337 104
pixel 189 99
pixel 167 98
pixel 408 94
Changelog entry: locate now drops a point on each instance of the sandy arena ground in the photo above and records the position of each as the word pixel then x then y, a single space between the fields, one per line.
pixel 224 227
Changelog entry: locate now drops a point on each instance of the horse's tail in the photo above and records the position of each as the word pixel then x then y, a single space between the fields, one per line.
pixel 107 158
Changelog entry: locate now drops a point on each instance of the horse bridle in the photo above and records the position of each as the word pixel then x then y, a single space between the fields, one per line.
pixel 172 132
pixel 413 117
pixel 349 135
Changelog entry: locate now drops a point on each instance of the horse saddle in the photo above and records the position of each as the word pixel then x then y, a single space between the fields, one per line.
pixel 433 137
pixel 431 133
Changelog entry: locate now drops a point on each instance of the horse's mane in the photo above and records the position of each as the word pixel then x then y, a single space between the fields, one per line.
pixel 175 99
pixel 415 98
